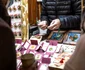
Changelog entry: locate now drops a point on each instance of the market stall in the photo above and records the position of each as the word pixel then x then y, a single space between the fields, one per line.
pixel 51 52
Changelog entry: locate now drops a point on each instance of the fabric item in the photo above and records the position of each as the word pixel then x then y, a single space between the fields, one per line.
pixel 7 47
pixel 67 11
pixel 77 60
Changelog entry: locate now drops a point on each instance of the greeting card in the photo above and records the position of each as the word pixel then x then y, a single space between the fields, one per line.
pixel 51 49
pixel 38 56
pixel 68 48
pixel 26 44
pixel 59 46
pixel 32 47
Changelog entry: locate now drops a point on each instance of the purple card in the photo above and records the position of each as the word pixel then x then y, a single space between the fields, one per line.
pixel 34 42
pixel 53 42
pixel 46 60
pixel 19 41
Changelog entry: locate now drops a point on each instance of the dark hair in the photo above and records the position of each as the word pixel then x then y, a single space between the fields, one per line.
pixel 4 14
pixel 83 20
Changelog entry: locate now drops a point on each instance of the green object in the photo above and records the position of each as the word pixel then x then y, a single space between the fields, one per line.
pixel 75 37
pixel 58 35
pixel 50 49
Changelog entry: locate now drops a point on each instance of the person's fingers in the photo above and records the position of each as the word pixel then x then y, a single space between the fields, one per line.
pixel 55 27
pixel 43 27
pixel 52 22
pixel 52 26
pixel 40 24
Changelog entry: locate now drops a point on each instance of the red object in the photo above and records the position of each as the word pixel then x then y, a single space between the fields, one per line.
pixel 34 42
pixel 62 60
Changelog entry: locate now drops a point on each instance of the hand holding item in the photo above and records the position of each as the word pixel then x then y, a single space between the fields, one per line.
pixel 43 25
pixel 55 24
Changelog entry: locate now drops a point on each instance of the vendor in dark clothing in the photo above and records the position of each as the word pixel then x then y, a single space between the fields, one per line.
pixel 63 14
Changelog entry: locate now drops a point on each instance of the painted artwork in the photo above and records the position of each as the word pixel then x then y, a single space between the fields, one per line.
pixel 73 36
pixel 57 35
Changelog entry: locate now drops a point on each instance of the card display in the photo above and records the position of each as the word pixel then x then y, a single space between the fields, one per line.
pixel 60 60
pixel 14 12
pixel 51 52
pixel 68 48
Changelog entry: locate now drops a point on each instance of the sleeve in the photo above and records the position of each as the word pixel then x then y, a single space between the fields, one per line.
pixel 72 21
pixel 7 49
pixel 44 16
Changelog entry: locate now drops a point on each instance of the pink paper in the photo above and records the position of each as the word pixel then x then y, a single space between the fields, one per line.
pixel 53 42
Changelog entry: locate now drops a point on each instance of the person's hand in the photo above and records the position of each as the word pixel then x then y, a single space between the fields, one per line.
pixel 55 24
pixel 43 25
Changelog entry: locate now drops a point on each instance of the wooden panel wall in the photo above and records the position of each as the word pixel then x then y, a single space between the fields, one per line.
pixel 38 10
pixel 34 11
pixel 32 5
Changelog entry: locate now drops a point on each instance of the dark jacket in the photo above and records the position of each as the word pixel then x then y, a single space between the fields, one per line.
pixel 68 11
pixel 7 47
pixel 77 60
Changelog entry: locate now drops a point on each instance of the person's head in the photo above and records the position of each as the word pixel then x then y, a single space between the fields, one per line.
pixel 4 2
pixel 83 21
pixel 3 13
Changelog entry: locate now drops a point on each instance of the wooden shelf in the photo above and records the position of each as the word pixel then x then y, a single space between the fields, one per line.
pixel 83 4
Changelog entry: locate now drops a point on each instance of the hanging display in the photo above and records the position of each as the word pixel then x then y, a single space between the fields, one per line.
pixel 24 15
pixel 15 13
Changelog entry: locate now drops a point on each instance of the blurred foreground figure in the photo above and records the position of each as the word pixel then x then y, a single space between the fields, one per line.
pixel 7 41
pixel 77 60
pixel 7 47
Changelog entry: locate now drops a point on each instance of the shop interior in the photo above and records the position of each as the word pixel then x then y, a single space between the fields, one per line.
pixel 48 52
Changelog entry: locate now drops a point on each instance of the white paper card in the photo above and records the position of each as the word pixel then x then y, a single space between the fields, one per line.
pixel 26 45
pixel 51 49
